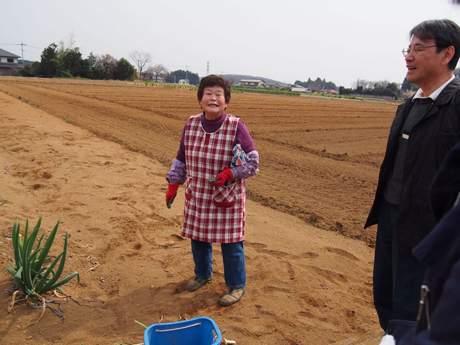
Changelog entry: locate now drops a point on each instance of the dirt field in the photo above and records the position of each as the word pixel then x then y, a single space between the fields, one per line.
pixel 98 163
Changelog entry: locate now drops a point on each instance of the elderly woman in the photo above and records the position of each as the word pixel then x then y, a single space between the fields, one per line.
pixel 215 156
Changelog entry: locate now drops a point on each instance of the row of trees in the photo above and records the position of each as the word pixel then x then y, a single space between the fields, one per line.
pixel 59 61
pixel 373 88
pixel 174 77
pixel 361 86
pixel 384 88
pixel 317 85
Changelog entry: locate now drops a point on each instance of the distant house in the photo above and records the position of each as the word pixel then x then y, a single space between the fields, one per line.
pixel 184 82
pixel 300 89
pixel 277 86
pixel 252 82
pixel 330 91
pixel 9 63
pixel 159 79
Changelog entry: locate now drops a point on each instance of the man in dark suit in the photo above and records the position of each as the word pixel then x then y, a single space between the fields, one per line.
pixel 424 130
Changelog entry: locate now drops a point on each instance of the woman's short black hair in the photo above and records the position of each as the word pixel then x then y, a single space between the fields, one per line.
pixel 444 32
pixel 215 80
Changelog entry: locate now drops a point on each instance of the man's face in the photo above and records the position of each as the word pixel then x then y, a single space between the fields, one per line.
pixel 423 66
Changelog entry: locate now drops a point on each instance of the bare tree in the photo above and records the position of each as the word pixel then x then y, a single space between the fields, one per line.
pixel 361 82
pixel 158 71
pixel 106 64
pixel 142 60
pixel 148 73
pixel 232 81
pixel 381 84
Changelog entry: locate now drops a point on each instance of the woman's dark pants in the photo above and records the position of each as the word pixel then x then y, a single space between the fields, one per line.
pixel 234 262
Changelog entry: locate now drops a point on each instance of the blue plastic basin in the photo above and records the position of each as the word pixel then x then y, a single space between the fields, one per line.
pixel 197 331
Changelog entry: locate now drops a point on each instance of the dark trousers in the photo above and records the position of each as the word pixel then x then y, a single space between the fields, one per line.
pixel 234 262
pixel 397 276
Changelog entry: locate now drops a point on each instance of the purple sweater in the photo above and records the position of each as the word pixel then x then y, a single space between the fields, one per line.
pixel 178 171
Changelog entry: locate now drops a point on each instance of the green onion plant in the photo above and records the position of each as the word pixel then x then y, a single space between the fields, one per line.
pixel 34 271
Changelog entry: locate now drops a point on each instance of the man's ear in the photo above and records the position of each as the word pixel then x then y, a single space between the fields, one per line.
pixel 449 53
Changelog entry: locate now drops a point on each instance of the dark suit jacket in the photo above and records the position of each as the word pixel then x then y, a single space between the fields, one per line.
pixel 430 141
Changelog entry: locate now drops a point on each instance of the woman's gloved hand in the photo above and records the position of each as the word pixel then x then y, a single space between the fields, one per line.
pixel 224 176
pixel 171 193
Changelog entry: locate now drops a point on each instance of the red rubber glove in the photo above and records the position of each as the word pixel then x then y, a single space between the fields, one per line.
pixel 224 176
pixel 171 193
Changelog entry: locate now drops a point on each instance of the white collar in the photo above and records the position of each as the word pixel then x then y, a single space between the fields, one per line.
pixel 435 94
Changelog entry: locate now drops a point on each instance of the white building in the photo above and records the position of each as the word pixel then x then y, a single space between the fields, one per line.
pixel 9 63
pixel 252 83
pixel 300 89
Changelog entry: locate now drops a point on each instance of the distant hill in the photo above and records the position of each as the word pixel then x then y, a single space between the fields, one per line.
pixel 26 62
pixel 236 78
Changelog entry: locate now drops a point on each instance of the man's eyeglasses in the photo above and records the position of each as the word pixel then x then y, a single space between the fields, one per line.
pixel 415 49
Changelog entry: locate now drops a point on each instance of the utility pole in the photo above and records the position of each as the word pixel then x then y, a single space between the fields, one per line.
pixel 207 69
pixel 22 51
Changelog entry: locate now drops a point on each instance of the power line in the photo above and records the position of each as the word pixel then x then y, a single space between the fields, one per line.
pixel 187 67
pixel 22 48
pixel 18 44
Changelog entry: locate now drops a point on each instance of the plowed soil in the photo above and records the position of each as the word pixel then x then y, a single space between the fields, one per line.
pixel 95 155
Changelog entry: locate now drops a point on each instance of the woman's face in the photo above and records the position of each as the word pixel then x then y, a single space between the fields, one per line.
pixel 213 102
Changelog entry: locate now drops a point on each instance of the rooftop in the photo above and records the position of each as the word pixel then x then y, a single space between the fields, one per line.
pixel 4 53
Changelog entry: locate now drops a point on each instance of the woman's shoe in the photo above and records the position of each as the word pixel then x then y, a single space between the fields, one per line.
pixel 197 283
pixel 232 296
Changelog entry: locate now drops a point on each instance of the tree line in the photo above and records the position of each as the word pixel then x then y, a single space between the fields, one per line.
pixel 384 88
pixel 58 61
pixel 366 87
pixel 317 85
pixel 372 88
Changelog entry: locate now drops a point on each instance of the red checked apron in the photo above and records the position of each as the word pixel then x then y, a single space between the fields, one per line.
pixel 212 214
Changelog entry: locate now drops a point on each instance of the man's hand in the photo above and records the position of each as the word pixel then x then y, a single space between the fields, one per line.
pixel 171 193
pixel 224 176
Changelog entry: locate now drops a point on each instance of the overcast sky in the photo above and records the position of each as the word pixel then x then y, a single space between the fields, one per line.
pixel 288 40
